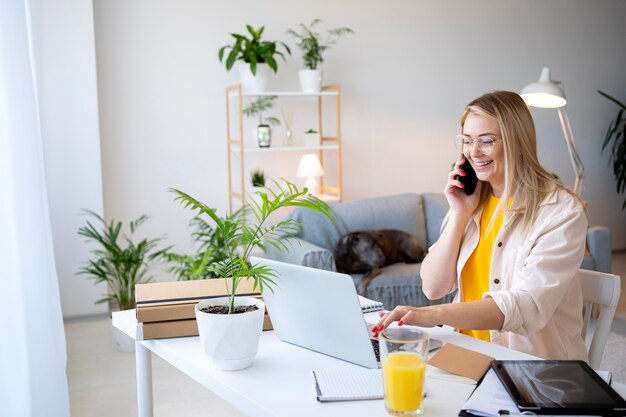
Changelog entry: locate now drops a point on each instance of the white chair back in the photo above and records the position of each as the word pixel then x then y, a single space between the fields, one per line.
pixel 603 290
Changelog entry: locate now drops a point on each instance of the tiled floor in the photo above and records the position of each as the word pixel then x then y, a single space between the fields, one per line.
pixel 102 380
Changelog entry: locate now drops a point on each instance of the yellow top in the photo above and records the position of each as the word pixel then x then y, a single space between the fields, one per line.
pixel 476 272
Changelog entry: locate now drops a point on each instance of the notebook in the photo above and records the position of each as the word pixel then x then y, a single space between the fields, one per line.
pixel 348 385
pixel 369 306
pixel 324 303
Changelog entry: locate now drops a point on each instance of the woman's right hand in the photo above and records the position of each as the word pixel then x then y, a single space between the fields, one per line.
pixel 461 204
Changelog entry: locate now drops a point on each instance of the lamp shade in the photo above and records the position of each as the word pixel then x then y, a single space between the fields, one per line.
pixel 310 166
pixel 544 93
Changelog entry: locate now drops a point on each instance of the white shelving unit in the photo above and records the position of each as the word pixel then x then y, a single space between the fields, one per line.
pixel 236 145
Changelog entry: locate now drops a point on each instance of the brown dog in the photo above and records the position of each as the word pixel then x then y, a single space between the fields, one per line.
pixel 367 251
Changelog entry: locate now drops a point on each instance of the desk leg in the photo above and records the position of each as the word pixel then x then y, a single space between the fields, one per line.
pixel 143 363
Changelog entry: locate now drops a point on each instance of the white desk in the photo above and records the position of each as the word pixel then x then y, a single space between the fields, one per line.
pixel 279 382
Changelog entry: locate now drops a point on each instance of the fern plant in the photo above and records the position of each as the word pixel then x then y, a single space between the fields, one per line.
pixel 243 237
pixel 211 247
pixel 260 105
pixel 118 261
pixel 312 44
pixel 617 134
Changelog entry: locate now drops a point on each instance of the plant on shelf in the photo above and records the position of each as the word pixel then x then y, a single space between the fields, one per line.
pixel 118 261
pixel 252 50
pixel 260 105
pixel 211 248
pixel 313 45
pixel 254 53
pixel 616 134
pixel 312 138
pixel 263 130
pixel 222 340
pixel 258 178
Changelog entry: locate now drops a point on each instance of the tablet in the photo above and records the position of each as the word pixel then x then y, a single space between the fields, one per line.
pixel 558 387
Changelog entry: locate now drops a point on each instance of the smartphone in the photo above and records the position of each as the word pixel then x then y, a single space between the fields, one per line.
pixel 470 179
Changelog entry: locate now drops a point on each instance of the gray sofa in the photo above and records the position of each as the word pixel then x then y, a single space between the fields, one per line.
pixel 419 215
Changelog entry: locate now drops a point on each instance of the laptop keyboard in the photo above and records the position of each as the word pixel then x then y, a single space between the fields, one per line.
pixel 376 347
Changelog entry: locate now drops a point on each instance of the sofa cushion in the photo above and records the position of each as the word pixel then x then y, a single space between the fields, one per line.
pixel 399 284
pixel 402 212
pixel 435 208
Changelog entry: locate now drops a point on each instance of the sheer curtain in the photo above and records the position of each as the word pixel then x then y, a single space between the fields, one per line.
pixel 33 358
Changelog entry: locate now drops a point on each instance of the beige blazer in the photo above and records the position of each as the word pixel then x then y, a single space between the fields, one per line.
pixel 534 279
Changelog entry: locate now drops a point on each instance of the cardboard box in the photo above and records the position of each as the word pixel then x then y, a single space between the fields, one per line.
pixel 174 328
pixel 166 309
pixel 164 301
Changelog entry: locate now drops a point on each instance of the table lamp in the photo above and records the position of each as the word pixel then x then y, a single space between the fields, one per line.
pixel 310 168
pixel 549 94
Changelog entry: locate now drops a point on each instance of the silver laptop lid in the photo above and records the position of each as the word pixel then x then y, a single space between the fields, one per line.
pixel 318 310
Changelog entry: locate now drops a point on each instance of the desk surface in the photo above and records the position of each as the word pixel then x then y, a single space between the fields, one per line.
pixel 279 382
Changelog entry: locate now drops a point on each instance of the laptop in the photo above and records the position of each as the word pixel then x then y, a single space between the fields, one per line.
pixel 318 310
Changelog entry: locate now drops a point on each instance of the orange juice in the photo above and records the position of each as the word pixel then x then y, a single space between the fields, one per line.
pixel 403 379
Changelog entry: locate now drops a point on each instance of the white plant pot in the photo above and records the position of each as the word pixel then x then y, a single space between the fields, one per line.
pixel 310 80
pixel 254 83
pixel 123 342
pixel 231 341
pixel 312 139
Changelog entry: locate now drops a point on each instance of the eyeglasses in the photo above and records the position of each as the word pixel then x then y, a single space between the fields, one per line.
pixel 485 144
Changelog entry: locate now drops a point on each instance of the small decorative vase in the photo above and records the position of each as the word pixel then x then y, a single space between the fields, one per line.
pixel 254 83
pixel 310 80
pixel 231 341
pixel 264 136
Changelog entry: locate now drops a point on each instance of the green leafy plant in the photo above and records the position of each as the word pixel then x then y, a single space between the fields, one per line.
pixel 119 261
pixel 259 105
pixel 616 134
pixel 242 237
pixel 311 43
pixel 212 247
pixel 252 50
pixel 312 131
pixel 258 178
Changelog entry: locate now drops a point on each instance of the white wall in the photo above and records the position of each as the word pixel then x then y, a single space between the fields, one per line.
pixel 406 76
pixel 63 37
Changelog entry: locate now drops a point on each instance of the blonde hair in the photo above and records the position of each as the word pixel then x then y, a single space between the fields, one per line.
pixel 525 180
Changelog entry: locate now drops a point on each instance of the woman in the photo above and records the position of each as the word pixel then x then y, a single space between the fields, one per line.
pixel 512 248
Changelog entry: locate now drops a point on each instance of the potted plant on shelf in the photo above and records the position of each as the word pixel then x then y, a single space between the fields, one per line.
pixel 617 134
pixel 264 129
pixel 230 327
pixel 313 47
pixel 257 57
pixel 120 263
pixel 312 138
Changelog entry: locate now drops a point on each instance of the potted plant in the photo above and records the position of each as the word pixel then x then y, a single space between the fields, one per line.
pixel 120 263
pixel 312 138
pixel 230 327
pixel 617 134
pixel 264 129
pixel 257 178
pixel 257 57
pixel 313 47
pixel 211 247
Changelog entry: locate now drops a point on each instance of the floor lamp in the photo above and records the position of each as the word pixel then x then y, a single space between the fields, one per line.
pixel 547 93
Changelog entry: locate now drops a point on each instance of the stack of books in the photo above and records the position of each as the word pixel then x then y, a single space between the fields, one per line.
pixel 166 309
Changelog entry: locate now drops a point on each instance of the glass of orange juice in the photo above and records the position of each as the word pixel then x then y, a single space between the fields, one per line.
pixel 403 353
